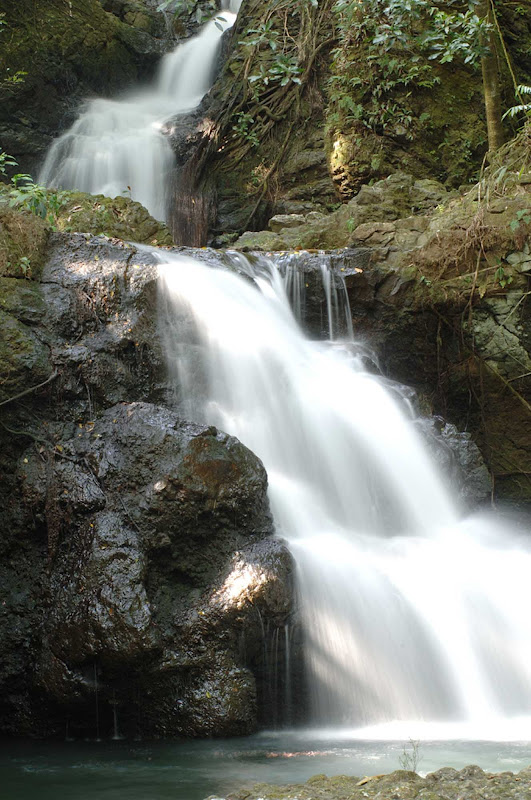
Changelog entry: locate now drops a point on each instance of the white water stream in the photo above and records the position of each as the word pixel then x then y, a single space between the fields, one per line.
pixel 120 147
pixel 412 615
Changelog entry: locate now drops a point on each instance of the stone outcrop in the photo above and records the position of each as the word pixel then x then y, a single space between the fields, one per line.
pixel 370 217
pixel 23 236
pixel 157 566
pixel 118 217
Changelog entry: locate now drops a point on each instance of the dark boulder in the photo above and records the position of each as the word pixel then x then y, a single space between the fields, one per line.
pixel 156 566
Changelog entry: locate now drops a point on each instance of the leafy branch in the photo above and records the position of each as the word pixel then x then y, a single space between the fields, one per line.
pixel 9 80
pixel 24 193
pixel 402 39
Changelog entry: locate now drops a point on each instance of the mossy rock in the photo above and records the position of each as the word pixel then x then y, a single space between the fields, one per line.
pixel 79 34
pixel 470 782
pixel 23 235
pixel 260 240
pixel 24 359
pixel 23 238
pixel 118 217
pixel 22 299
pixel 398 196
pixel 432 147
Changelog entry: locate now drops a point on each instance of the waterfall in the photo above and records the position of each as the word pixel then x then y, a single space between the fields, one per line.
pixel 411 613
pixel 120 146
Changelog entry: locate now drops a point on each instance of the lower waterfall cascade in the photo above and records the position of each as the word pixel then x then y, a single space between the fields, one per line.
pixel 415 617
pixel 118 147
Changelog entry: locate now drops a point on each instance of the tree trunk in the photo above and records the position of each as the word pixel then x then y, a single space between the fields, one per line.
pixel 491 85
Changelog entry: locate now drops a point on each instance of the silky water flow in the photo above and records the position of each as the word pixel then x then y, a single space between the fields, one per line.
pixel 121 147
pixel 416 619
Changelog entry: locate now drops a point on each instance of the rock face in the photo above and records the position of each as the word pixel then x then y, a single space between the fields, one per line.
pixel 446 783
pixel 157 564
pixel 137 561
pixel 369 217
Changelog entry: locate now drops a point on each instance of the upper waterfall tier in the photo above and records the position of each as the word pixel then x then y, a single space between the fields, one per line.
pixel 119 146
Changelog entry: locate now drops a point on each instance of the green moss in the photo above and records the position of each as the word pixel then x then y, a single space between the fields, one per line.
pixel 23 238
pixel 23 235
pixel 22 299
pixel 24 360
pixel 118 217
pixel 431 144
pixel 58 34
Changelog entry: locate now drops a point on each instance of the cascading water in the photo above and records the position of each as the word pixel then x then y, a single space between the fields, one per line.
pixel 410 614
pixel 119 146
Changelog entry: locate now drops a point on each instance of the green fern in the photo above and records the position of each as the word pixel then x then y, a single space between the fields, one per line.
pixel 521 108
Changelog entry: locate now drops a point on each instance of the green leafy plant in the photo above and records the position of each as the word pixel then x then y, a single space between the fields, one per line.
pixel 6 161
pixel 265 35
pixel 402 39
pixel 395 63
pixel 502 278
pixel 523 217
pixel 280 68
pixel 43 202
pixel 521 107
pixel 24 264
pixel 243 127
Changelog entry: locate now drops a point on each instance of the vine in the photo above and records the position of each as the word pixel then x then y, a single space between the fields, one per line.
pixel 271 68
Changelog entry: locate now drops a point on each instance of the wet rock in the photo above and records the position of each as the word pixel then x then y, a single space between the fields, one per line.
pixel 460 460
pixel 221 699
pixel 158 560
pixel 100 297
pixel 142 543
pixel 185 131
